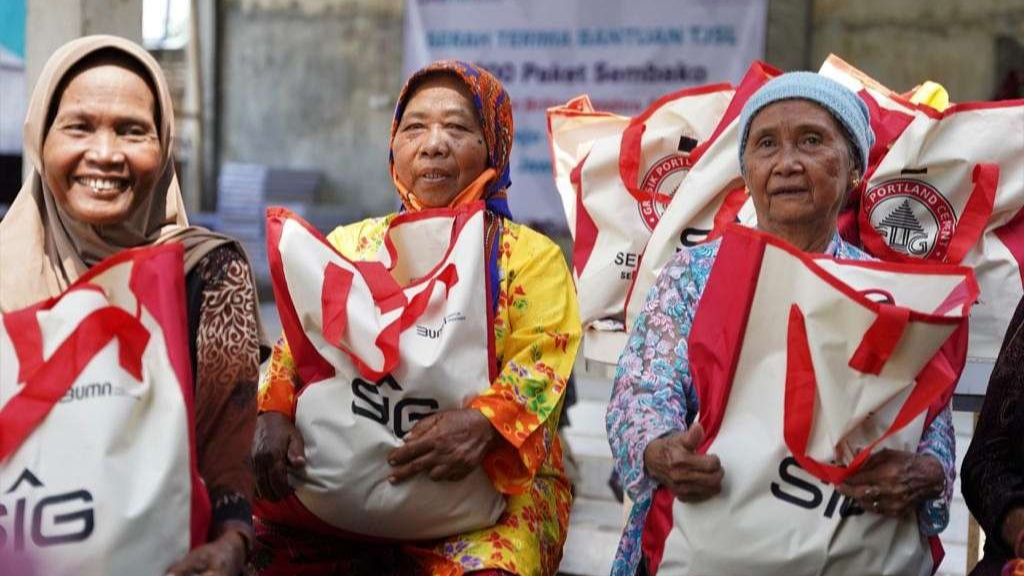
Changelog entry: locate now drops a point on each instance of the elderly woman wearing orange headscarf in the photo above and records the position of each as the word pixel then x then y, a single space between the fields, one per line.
pixel 99 136
pixel 450 144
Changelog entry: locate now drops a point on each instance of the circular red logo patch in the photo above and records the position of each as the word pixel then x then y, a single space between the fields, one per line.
pixel 662 178
pixel 912 217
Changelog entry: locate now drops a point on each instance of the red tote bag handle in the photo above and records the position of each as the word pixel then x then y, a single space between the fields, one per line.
pixel 334 295
pixel 932 383
pixel 632 137
pixel 334 308
pixel 969 228
pixel 586 228
pixel 386 292
pixel 631 143
pixel 881 339
pixel 46 382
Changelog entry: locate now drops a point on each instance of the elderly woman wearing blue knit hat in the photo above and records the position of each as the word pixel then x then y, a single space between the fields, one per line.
pixel 804 147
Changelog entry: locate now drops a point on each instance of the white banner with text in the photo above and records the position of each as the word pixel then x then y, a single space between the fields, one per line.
pixel 623 54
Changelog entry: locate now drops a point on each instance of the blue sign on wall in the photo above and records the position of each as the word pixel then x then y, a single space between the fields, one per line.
pixel 12 27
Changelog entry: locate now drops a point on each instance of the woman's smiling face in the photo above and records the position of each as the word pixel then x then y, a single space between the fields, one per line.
pixel 102 154
pixel 439 146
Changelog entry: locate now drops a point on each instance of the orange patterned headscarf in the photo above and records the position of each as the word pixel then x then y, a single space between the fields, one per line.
pixel 494 108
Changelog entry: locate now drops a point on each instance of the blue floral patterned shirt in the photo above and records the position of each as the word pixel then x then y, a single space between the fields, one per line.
pixel 654 395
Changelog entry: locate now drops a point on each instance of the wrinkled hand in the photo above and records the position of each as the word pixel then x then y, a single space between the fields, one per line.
pixel 276 446
pixel 225 556
pixel 893 482
pixel 446 445
pixel 673 462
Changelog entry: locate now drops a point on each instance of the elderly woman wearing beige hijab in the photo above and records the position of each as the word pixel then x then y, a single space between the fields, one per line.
pixel 99 135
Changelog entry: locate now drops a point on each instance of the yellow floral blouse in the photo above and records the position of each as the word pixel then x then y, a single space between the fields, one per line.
pixel 537 333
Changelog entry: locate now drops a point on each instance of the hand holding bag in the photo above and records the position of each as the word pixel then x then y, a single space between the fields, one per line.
pixel 380 345
pixel 96 423
pixel 847 358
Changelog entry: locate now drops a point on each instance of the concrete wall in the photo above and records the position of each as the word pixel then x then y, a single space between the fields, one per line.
pixel 311 84
pixel 787 42
pixel 49 24
pixel 904 42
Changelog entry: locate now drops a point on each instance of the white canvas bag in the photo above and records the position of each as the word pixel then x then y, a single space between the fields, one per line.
pixel 622 187
pixel 572 130
pixel 712 195
pixel 832 373
pixel 951 189
pixel 97 461
pixel 380 345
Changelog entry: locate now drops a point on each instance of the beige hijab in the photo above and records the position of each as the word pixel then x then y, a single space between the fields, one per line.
pixel 43 249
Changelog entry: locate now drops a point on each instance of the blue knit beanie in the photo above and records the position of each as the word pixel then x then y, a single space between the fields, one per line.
pixel 845 106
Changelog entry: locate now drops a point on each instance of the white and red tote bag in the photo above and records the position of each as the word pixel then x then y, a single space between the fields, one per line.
pixel 951 189
pixel 97 455
pixel 842 359
pixel 622 187
pixel 712 195
pixel 572 130
pixel 891 113
pixel 378 346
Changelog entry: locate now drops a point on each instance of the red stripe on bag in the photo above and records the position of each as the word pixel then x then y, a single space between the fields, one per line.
pixel 880 339
pixel 657 526
pixel 959 296
pixel 163 267
pixel 449 277
pixel 887 125
pixel 334 302
pixel 387 292
pixel 728 212
pixel 28 345
pixel 167 306
pixel 49 381
pixel 388 295
pixel 954 353
pixel 586 229
pixel 719 325
pixel 938 552
pixel 714 349
pixel 311 366
pixel 977 212
pixel 337 285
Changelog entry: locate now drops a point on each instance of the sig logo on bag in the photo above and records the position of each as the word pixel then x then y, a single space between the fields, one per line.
pixel 663 178
pixel 912 216
pixel 372 402
pixel 807 494
pixel 29 512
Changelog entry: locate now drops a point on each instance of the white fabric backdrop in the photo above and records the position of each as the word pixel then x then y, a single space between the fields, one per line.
pixel 624 54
